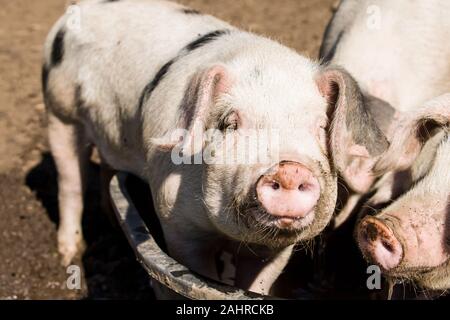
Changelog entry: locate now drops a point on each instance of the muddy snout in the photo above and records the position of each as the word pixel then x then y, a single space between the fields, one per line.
pixel 289 193
pixel 379 244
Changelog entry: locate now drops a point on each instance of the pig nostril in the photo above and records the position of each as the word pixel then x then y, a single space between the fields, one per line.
pixel 387 246
pixel 275 186
pixel 371 233
pixel 365 235
pixel 302 187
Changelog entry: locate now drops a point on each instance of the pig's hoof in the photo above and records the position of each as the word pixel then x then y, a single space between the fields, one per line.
pixel 70 246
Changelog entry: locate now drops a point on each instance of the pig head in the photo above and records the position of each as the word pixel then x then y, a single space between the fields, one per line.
pixel 406 229
pixel 290 197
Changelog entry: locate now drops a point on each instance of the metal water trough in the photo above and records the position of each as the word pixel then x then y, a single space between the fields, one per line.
pixel 157 263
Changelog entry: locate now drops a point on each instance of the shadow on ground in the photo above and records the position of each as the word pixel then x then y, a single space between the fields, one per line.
pixel 110 267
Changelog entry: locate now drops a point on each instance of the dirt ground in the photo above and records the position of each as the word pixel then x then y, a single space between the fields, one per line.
pixel 29 262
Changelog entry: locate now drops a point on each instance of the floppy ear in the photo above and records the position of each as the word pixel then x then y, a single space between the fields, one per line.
pixel 200 96
pixel 385 116
pixel 413 133
pixel 355 140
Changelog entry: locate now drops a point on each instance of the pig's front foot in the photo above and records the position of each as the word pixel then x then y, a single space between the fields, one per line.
pixel 70 245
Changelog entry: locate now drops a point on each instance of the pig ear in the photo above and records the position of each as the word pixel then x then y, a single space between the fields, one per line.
pixel 355 140
pixel 412 134
pixel 200 96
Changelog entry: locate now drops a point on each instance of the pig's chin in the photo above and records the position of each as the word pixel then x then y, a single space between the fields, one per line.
pixel 437 277
pixel 266 220
pixel 261 227
pixel 264 228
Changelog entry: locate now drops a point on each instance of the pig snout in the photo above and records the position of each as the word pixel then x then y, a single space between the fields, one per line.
pixel 379 244
pixel 288 192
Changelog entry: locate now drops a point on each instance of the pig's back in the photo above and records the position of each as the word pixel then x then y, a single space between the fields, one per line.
pixel 403 57
pixel 100 56
pixel 122 55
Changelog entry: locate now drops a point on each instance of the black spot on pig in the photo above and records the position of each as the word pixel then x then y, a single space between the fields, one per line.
pixel 154 83
pixel 326 54
pixel 58 48
pixel 106 1
pixel 191 11
pixel 44 78
pixel 205 39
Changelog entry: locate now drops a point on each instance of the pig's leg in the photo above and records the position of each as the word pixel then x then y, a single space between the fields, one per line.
pixel 106 175
pixel 70 151
pixel 197 254
pixel 258 273
pixel 256 270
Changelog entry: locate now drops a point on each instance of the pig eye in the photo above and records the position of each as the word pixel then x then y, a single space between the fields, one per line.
pixel 230 121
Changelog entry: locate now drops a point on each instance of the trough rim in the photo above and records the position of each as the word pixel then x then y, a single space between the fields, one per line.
pixel 157 263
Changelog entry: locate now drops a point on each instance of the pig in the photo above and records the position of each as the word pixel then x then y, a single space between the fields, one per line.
pixel 398 53
pixel 146 81
pixel 409 237
pixel 392 48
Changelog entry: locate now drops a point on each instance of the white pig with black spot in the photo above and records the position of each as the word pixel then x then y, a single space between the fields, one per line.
pixel 136 71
